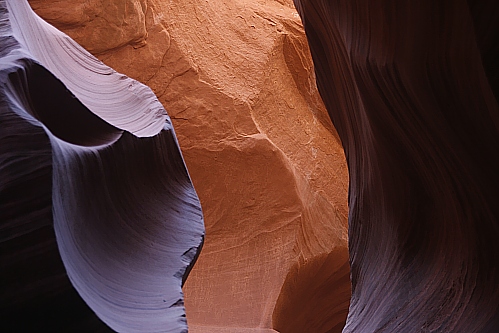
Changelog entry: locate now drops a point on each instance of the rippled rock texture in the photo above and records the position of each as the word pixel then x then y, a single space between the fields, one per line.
pixel 95 198
pixel 237 80
pixel 410 88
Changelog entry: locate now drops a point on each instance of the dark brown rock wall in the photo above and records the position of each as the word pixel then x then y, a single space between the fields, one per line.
pixel 405 86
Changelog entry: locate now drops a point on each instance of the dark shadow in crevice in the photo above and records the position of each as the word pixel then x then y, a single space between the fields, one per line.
pixel 46 300
pixel 193 261
pixel 60 111
pixel 315 295
pixel 36 294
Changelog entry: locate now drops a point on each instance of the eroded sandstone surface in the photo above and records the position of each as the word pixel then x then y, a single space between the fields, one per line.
pixel 99 221
pixel 237 81
pixel 411 88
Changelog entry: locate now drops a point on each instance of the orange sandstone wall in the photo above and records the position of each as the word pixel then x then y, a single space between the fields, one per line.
pixel 237 79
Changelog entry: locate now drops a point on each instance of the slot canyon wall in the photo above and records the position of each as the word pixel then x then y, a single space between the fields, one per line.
pixel 411 87
pixel 412 91
pixel 237 81
pixel 96 205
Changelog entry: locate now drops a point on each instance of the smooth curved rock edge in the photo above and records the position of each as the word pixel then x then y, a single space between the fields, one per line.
pixel 407 91
pixel 92 162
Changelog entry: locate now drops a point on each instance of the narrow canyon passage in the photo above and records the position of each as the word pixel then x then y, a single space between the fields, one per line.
pixel 403 186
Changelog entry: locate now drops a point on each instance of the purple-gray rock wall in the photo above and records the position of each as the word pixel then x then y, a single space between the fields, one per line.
pixel 96 204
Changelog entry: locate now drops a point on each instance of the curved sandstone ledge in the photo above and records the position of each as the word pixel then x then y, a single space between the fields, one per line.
pixel 410 88
pixel 95 199
pixel 112 96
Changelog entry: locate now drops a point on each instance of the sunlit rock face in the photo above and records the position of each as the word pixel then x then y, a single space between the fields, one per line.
pixel 237 80
pixel 100 223
pixel 410 88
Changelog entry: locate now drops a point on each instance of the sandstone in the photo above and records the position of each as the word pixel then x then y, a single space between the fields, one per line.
pixel 100 222
pixel 412 90
pixel 411 87
pixel 237 80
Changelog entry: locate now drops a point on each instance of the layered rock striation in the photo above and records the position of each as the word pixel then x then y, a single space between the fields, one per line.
pixel 410 88
pixel 95 199
pixel 237 80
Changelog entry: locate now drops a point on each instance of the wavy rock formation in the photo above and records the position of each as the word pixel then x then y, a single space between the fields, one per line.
pixel 94 193
pixel 237 80
pixel 410 88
